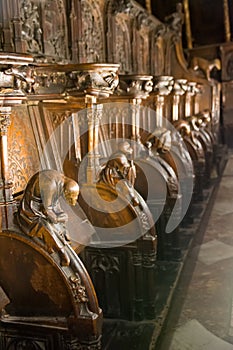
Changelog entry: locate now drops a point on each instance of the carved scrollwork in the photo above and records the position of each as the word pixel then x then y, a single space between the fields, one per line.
pixel 149 260
pixel 163 84
pixel 143 21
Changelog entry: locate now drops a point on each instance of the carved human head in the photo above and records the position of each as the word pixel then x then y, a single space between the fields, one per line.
pixel 125 147
pixel 71 191
pixel 120 163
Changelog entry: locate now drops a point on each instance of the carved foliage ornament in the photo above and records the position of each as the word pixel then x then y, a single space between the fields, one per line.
pixel 78 289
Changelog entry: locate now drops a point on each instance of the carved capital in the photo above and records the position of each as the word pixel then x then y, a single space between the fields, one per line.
pixel 137 86
pixel 5 121
pixel 23 78
pixel 179 87
pixel 98 79
pixel 163 85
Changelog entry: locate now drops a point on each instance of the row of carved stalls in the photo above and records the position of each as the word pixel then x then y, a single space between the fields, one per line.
pixel 102 140
pixel 76 118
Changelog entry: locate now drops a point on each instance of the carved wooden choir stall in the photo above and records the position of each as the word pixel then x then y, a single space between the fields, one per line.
pixel 108 139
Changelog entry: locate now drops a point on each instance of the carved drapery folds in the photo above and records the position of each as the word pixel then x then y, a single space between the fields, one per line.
pixel 87 31
pixel 142 33
pixel 157 50
pixel 44 28
pixel 31 26
pixel 92 38
pixel 119 34
pixel 131 36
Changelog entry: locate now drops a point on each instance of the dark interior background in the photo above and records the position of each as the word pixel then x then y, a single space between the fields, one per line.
pixel 206 17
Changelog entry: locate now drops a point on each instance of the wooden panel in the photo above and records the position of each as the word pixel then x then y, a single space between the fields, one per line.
pixel 23 150
pixel 227 112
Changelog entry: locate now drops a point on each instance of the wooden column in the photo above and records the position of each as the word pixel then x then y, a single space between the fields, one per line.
pixel 7 204
pixel 91 101
pixel 187 24
pixel 178 91
pixel 227 27
pixel 162 88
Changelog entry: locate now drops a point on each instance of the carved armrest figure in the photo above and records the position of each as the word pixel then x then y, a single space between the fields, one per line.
pixel 124 148
pixel 40 215
pixel 161 140
pixel 120 173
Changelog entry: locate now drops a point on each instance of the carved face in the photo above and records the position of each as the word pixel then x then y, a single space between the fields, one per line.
pixel 71 192
pixel 123 165
pixel 71 197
